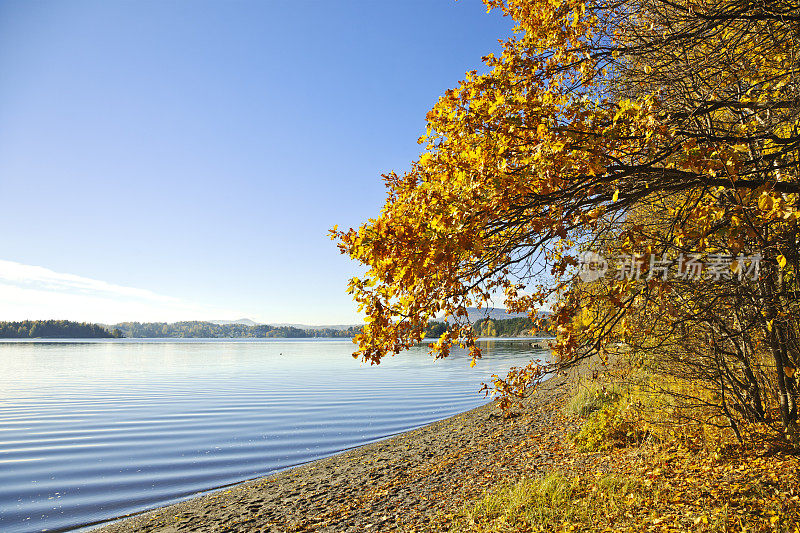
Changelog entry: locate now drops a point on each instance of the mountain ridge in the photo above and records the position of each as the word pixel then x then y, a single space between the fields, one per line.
pixel 473 314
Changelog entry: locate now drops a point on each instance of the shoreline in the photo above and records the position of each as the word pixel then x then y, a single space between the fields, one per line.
pixel 395 484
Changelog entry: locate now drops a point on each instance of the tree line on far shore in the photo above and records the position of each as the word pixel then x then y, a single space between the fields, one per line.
pixel 32 329
pixel 65 329
pixel 195 329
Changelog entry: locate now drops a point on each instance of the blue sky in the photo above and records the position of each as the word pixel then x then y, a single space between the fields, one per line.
pixel 166 160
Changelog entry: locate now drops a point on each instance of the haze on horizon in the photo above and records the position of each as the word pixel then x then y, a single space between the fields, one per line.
pixel 165 161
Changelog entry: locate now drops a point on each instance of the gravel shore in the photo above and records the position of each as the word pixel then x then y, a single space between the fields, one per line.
pixel 411 482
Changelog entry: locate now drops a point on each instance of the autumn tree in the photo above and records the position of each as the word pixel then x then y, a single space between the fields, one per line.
pixel 648 128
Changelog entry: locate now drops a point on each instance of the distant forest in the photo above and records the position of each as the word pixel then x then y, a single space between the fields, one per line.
pixel 63 329
pixel 211 330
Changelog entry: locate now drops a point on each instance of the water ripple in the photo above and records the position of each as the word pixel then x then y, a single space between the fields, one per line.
pixel 93 431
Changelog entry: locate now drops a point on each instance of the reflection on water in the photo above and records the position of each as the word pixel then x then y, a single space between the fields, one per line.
pixel 94 430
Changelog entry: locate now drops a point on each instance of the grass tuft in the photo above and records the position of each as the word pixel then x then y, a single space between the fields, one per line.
pixel 592 397
pixel 553 501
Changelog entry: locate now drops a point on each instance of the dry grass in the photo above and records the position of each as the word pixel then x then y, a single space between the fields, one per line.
pixel 651 472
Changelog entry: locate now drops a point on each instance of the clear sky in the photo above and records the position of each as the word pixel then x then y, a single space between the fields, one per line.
pixel 168 160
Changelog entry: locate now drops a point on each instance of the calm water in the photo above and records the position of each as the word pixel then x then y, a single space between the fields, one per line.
pixel 90 431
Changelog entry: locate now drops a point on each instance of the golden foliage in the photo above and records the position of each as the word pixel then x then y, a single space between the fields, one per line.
pixel 634 126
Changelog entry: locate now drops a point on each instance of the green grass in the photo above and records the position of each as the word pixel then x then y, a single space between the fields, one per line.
pixel 602 406
pixel 592 397
pixel 549 502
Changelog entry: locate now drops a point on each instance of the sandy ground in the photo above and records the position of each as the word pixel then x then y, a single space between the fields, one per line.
pixel 410 482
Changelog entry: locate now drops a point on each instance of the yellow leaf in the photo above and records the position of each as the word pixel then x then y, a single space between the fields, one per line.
pixel 472 363
pixel 616 196
pixel 541 130
pixel 782 261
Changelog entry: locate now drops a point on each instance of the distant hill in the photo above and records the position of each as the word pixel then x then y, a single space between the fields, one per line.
pixel 197 329
pixel 242 321
pixel 475 314
pixel 337 327
pixel 248 322
pixel 494 313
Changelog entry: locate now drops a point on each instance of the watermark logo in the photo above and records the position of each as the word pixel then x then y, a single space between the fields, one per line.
pixel 592 267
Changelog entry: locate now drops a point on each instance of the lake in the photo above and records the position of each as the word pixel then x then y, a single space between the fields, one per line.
pixel 94 430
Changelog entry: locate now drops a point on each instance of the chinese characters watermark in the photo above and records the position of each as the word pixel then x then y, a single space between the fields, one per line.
pixel 716 267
